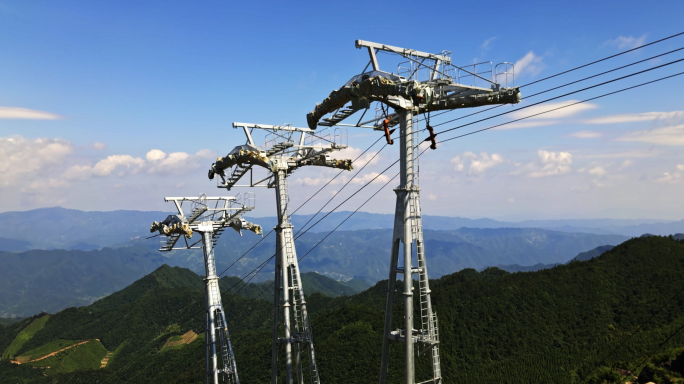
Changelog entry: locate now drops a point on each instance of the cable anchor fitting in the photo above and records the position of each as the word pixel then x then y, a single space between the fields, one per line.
pixel 433 136
pixel 385 126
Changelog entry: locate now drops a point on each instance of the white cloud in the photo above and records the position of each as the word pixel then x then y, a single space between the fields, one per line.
pixel 155 162
pixel 548 164
pixel 369 177
pixel 617 155
pixel 673 135
pixel 628 42
pixel 566 111
pixel 625 164
pixel 352 153
pixel 27 159
pixel 530 123
pixel 27 114
pixel 479 164
pixel 122 164
pixel 530 64
pixel 486 43
pixel 432 197
pixel 680 167
pixel 459 162
pixel 161 163
pixel 670 178
pixel 634 117
pixel 586 135
pixel 99 146
pixel 311 182
pixel 597 171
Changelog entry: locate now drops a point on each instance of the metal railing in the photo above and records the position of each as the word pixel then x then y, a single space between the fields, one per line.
pixel 341 137
pixel 476 75
pixel 507 72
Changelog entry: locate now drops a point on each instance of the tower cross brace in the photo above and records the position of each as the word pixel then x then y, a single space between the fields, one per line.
pixel 286 149
pixel 424 82
pixel 209 222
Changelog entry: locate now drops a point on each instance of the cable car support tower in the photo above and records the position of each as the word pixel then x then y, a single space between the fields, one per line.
pixel 423 83
pixel 209 216
pixel 286 148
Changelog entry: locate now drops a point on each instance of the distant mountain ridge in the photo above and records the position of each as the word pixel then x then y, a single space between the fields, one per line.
pixel 60 228
pixel 51 280
pixel 583 256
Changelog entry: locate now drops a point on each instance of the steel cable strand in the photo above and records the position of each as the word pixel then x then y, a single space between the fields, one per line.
pixel 637 329
pixel 566 94
pixel 341 189
pixel 260 266
pixel 470 133
pixel 656 349
pixel 570 70
pixel 321 241
pixel 565 106
pixel 295 211
pixel 453 138
pixel 561 86
pixel 484 129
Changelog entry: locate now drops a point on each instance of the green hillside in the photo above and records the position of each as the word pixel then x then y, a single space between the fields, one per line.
pixel 584 256
pixel 24 335
pixel 549 326
pixel 86 356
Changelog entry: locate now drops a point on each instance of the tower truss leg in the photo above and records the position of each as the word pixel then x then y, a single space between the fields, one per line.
pixel 220 366
pixel 296 326
pixel 407 229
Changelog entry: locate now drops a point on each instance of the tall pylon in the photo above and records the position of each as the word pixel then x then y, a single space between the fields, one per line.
pixel 209 222
pixel 286 149
pixel 424 82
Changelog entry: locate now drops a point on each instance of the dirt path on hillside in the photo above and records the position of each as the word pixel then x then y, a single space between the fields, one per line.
pixel 50 354
pixel 105 361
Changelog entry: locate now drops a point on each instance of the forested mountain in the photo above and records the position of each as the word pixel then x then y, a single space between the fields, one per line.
pixel 593 320
pixel 588 255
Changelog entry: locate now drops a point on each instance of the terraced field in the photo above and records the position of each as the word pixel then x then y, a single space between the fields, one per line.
pixel 175 342
pixel 25 335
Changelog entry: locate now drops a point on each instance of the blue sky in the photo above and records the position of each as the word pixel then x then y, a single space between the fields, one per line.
pixel 113 105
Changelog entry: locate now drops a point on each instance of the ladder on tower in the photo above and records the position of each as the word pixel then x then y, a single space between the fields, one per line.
pixel 170 242
pixel 338 116
pixel 237 173
pixel 429 334
pixel 222 330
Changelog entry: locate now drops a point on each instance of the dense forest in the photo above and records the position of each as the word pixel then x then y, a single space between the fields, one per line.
pixel 608 319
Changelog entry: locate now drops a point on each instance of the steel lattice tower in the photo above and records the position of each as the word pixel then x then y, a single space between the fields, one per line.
pixel 286 149
pixel 424 82
pixel 210 223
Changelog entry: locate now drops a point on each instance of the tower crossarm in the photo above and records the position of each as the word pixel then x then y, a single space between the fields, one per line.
pixel 324 161
pixel 284 151
pixel 406 94
pixel 226 213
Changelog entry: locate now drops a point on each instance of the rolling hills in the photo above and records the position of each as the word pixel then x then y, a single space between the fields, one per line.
pixel 555 325
pixel 50 280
